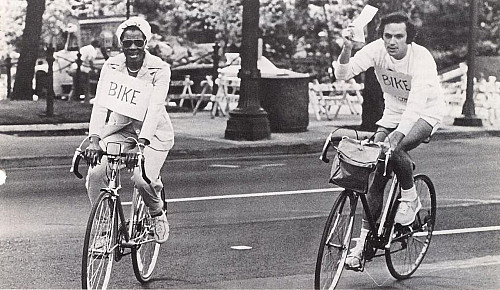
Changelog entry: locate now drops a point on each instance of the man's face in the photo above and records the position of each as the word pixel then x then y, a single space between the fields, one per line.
pixel 395 39
pixel 133 45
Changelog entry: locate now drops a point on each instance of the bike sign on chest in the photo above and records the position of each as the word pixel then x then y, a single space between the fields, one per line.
pixel 124 94
pixel 394 83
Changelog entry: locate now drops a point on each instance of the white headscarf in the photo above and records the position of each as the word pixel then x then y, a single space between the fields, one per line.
pixel 138 22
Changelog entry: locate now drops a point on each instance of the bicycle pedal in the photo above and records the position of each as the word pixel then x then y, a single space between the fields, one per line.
pixel 118 256
pixel 370 254
pixel 359 268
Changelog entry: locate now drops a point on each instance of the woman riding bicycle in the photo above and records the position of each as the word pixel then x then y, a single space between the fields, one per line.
pixel 153 130
pixel 414 107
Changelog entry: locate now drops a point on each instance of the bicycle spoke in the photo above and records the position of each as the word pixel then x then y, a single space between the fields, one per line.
pixel 335 242
pixel 145 252
pixel 410 244
pixel 99 244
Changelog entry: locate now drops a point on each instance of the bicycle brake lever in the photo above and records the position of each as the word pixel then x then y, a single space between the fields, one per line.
pixel 386 161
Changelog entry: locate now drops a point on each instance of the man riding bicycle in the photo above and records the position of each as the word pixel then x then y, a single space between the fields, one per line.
pixel 153 130
pixel 414 107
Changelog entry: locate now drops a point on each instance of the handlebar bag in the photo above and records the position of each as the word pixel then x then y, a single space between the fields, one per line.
pixel 354 163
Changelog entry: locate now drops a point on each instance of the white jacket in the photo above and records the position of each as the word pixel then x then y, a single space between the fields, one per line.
pixel 156 127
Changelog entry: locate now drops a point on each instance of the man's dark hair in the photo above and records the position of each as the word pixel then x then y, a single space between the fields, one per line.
pixel 398 17
pixel 95 43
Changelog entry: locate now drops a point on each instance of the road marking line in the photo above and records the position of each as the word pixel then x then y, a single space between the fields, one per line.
pixel 466 230
pixel 272 165
pixel 241 247
pixel 261 194
pixel 461 202
pixel 460 231
pixel 245 195
pixel 462 264
pixel 224 166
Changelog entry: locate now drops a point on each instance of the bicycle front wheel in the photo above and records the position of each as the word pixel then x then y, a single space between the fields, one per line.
pixel 145 253
pixel 335 241
pixel 99 243
pixel 410 243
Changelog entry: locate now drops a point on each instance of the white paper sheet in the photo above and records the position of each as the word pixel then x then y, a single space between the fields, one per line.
pixel 358 24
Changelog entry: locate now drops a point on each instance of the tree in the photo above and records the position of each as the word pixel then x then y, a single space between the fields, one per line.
pixel 11 23
pixel 29 50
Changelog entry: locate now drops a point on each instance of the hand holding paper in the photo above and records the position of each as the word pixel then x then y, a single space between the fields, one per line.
pixel 358 25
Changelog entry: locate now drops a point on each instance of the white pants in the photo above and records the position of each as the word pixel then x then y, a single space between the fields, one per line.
pixel 154 159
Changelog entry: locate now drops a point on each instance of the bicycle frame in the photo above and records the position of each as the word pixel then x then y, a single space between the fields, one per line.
pixel 113 189
pixel 404 246
pixel 104 245
pixel 381 236
pixel 114 186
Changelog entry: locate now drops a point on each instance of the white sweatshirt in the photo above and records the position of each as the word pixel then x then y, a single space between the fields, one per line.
pixel 411 85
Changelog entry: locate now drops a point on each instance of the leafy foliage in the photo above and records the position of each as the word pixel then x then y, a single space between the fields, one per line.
pixel 290 28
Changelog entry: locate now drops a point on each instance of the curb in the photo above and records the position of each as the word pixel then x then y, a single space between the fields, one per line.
pixel 11 129
pixel 181 154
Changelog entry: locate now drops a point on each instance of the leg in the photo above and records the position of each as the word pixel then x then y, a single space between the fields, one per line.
pixel 374 197
pixel 96 179
pixel 403 167
pixel 86 86
pixel 401 159
pixel 151 193
pixel 96 176
pixel 375 193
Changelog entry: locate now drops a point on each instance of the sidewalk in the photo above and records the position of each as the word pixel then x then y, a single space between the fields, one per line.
pixel 196 137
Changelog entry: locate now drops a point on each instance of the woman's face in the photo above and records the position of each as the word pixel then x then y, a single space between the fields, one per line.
pixel 133 45
pixel 395 40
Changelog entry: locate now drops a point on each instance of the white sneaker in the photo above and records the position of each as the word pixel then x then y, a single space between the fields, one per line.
pixel 407 211
pixel 161 228
pixel 353 260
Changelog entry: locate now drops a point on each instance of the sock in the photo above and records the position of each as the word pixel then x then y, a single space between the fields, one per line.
pixel 409 194
pixel 362 238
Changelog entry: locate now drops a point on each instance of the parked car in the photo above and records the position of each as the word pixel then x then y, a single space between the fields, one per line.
pixel 64 61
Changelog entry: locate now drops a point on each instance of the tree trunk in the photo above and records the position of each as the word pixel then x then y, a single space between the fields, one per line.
pixel 373 100
pixel 23 86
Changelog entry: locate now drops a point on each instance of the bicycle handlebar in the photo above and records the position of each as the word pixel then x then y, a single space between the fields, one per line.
pixel 385 148
pixel 324 152
pixel 75 162
pixel 79 154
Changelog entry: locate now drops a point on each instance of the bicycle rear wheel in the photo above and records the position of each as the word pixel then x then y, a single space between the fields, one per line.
pixel 410 243
pixel 99 243
pixel 335 241
pixel 145 253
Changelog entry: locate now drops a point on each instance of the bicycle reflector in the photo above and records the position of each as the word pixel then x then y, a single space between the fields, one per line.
pixel 114 148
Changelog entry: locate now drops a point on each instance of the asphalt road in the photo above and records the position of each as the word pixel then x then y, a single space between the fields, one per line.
pixel 274 207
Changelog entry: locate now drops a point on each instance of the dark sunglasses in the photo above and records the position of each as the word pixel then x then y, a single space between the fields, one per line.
pixel 137 42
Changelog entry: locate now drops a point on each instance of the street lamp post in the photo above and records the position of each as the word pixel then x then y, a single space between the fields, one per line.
pixel 128 9
pixel 249 121
pixel 50 82
pixel 469 114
